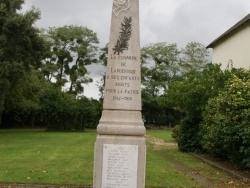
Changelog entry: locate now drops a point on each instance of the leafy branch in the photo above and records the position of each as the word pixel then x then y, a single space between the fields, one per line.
pixel 125 34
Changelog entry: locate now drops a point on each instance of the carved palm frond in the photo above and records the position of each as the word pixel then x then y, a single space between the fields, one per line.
pixel 125 34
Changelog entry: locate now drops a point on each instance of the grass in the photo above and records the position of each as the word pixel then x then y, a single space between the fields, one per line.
pixel 161 134
pixel 160 172
pixel 182 169
pixel 67 158
pixel 46 157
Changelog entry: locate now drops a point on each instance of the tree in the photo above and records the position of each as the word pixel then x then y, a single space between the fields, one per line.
pixel 20 45
pixel 23 101
pixel 73 48
pixel 194 57
pixel 159 68
pixel 104 59
pixel 190 97
pixel 63 111
pixel 162 65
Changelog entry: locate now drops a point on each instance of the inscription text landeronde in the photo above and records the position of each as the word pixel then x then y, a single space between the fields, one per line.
pixel 123 78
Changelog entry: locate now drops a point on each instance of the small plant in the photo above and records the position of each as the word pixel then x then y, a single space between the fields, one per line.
pixel 176 132
pixel 189 137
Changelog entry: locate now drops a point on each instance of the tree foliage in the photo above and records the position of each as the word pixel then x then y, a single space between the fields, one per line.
pixel 194 57
pixel 104 60
pixel 62 111
pixel 24 98
pixel 159 67
pixel 32 98
pixel 165 66
pixel 20 40
pixel 72 49
pixel 191 97
pixel 20 45
pixel 226 127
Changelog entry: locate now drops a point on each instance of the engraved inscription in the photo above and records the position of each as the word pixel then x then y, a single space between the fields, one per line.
pixel 122 84
pixel 123 79
pixel 124 57
pixel 119 166
pixel 129 71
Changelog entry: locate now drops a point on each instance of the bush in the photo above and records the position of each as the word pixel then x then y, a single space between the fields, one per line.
pixel 189 137
pixel 190 96
pixel 226 127
pixel 244 135
pixel 176 133
pixel 62 111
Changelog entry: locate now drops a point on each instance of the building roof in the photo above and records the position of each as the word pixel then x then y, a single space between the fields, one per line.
pixel 233 28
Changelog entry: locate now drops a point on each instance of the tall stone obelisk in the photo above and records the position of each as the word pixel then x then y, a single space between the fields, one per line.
pixel 120 149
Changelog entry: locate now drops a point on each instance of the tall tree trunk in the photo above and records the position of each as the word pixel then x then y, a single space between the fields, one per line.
pixel 4 88
pixel 32 119
pixel 1 114
pixel 61 70
pixel 72 81
pixel 71 87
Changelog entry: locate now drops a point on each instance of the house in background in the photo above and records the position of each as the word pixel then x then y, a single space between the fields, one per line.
pixel 232 48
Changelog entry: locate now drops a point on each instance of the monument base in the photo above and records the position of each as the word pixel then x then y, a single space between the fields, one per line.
pixel 121 122
pixel 119 162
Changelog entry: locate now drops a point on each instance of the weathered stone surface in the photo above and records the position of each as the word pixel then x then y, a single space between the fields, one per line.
pixel 126 123
pixel 121 129
pixel 119 168
pixel 123 76
pixel 121 141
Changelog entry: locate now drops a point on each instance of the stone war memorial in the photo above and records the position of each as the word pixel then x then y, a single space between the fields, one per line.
pixel 120 149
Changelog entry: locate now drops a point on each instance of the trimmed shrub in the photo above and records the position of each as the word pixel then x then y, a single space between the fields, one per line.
pixel 189 137
pixel 226 127
pixel 176 133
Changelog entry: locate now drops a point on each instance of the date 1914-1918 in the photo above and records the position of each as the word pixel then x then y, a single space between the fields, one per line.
pixel 122 98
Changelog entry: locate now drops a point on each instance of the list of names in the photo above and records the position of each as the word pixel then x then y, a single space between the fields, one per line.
pixel 119 166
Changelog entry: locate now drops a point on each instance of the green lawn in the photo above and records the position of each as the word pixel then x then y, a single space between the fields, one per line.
pixel 46 157
pixel 67 158
pixel 161 134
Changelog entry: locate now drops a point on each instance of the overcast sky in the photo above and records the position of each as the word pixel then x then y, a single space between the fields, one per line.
pixel 171 21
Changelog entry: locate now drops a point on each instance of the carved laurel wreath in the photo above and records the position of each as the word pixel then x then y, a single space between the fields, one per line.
pixel 125 35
